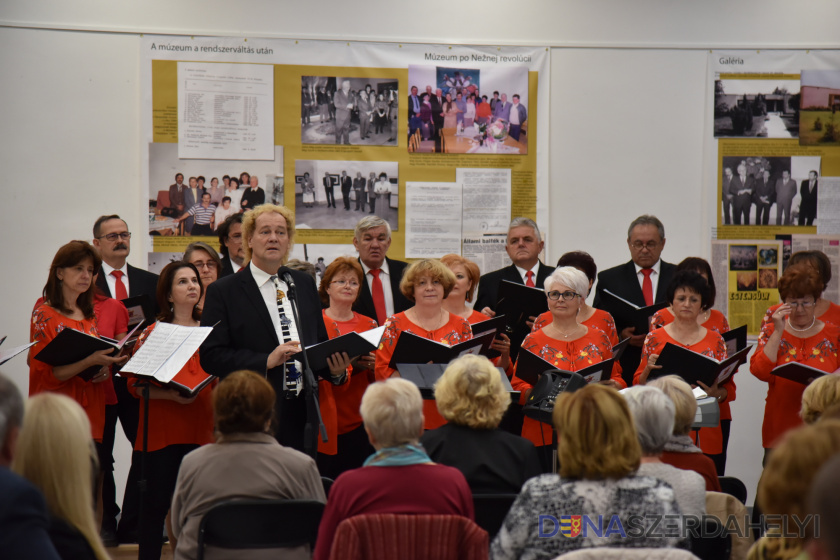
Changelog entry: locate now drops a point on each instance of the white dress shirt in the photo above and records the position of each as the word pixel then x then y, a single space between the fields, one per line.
pixel 112 282
pixel 654 277
pixel 524 274
pixel 385 277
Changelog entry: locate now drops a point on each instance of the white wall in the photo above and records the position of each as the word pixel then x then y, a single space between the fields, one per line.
pixel 628 102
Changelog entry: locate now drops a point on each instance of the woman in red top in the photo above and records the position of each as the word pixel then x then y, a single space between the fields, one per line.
pixel 713 441
pixel 426 283
pixel 797 336
pixel 177 424
pixel 348 446
pixel 564 342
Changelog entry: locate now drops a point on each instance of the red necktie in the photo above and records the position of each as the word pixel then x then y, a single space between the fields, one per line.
pixel 119 288
pixel 378 297
pixel 529 276
pixel 647 286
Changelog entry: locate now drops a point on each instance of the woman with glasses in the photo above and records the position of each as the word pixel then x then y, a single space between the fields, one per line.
pixel 348 446
pixel 565 343
pixel 208 263
pixel 797 336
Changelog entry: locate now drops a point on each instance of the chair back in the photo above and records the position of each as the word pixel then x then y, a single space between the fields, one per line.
pixel 734 487
pixel 384 536
pixel 712 543
pixel 733 515
pixel 491 510
pixel 253 524
pixel 327 483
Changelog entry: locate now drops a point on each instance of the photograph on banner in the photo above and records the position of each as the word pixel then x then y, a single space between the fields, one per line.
pixel 476 111
pixel 357 111
pixel 331 194
pixel 753 106
pixel 191 197
pixel 818 119
pixel 314 258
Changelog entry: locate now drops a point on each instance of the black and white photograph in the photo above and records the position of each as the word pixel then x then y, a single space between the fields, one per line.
pixel 468 111
pixel 760 190
pixel 337 194
pixel 314 258
pixel 743 257
pixel 757 108
pixel 341 110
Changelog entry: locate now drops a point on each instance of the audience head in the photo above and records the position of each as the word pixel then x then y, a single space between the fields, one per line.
pixel 268 232
pixel 653 414
pixel 571 278
pixel 595 434
pixel 426 268
pixel 11 418
pixel 800 281
pixel 205 259
pixel 691 282
pixel 701 267
pixel 582 261
pixel 685 404
pixel 56 453
pixel 822 501
pixel 173 282
pixel 470 393
pixel 338 280
pixel 303 266
pixel 524 243
pixel 821 395
pixel 112 239
pixel 230 238
pixel 243 402
pixel 646 239
pixel 817 259
pixel 372 239
pixel 466 272
pixel 71 274
pixel 392 412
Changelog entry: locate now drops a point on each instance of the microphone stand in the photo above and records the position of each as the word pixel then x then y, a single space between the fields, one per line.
pixel 314 421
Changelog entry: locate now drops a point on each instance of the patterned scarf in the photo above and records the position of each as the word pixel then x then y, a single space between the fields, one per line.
pixel 681 444
pixel 399 456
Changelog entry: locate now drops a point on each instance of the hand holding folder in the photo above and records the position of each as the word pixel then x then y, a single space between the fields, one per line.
pixel 71 346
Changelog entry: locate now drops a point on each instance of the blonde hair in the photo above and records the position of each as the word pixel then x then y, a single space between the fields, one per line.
pixel 822 394
pixel 470 393
pixel 392 411
pixel 249 225
pixel 427 267
pixel 685 405
pixel 56 453
pixel 596 434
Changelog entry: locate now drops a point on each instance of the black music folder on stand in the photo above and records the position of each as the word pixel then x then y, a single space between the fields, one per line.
pixel 426 375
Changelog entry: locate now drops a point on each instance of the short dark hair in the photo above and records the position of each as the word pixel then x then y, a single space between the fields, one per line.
pixel 582 261
pixel 817 259
pixel 495 93
pixel 97 225
pixel 176 176
pixel 693 282
pixel 516 95
pixel 164 288
pixel 225 198
pixel 243 403
pixel 69 255
pixel 700 266
pixel 201 178
pixel 225 177
pixel 224 228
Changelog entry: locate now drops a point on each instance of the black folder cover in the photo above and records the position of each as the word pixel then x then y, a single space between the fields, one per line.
pixel 426 375
pixel 70 346
pixel 794 371
pixel 413 349
pixel 694 367
pixel 498 323
pixel 529 368
pixel 518 302
pixel 735 339
pixel 352 343
pixel 640 316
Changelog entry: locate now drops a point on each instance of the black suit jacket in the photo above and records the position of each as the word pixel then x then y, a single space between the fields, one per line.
pixel 808 205
pixel 227 267
pixel 364 303
pixel 23 520
pixel 245 336
pixel 622 281
pixel 488 285
pixel 140 282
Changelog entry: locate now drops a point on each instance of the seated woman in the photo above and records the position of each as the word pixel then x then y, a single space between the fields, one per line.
pixel 399 477
pixel 680 450
pixel 821 396
pixel 471 398
pixel 245 462
pixel 653 414
pixel 599 454
pixel 55 453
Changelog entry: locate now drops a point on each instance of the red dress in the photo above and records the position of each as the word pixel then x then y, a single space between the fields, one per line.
pixel 591 348
pixel 340 403
pixel 456 330
pixel 46 324
pixel 784 397
pixel 711 439
pixel 172 423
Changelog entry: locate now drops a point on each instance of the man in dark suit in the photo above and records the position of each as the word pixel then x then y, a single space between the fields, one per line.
pixel 726 197
pixel 346 187
pixel 23 512
pixel 176 194
pixel 764 197
pixel 120 280
pixel 808 204
pixel 343 101
pixel 413 111
pixel 372 239
pixel 230 245
pixel 785 191
pixel 252 331
pixel 742 188
pixel 642 281
pixel 437 106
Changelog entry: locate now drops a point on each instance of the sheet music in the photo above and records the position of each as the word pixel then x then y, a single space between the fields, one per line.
pixel 374 336
pixel 166 350
pixel 6 355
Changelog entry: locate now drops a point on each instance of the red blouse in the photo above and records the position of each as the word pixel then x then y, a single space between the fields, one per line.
pixel 111 319
pixel 600 320
pixel 340 403
pixel 784 397
pixel 716 321
pixel 45 326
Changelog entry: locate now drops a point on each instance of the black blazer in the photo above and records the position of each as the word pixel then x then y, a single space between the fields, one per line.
pixel 23 518
pixel 622 281
pixel 364 303
pixel 227 267
pixel 140 282
pixel 488 285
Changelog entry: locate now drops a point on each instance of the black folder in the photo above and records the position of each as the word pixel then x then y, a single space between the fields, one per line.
pixel 735 339
pixel 353 343
pixel 497 323
pixel 426 375
pixel 639 316
pixel 529 368
pixel 413 349
pixel 619 348
pixel 694 367
pixel 794 371
pixel 70 346
pixel 518 302
pixel 135 306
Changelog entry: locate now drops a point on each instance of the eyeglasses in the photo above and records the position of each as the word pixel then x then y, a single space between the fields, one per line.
pixel 236 237
pixel 201 264
pixel 342 283
pixel 125 236
pixel 554 295
pixel 650 245
pixel 802 304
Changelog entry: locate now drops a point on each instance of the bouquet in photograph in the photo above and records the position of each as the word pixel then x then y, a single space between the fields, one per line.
pixel 498 130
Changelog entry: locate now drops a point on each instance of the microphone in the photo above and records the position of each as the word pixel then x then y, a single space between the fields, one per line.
pixel 286 276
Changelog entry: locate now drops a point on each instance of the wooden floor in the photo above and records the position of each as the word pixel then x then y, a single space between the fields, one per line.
pixel 129 552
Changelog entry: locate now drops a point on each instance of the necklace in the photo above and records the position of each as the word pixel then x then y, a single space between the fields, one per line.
pixel 434 325
pixel 568 334
pixel 813 321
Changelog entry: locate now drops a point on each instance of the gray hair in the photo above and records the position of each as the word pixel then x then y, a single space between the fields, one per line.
pixel 653 414
pixel 368 223
pixel 568 276
pixel 392 411
pixel 11 407
pixel 201 245
pixel 647 220
pixel 525 222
